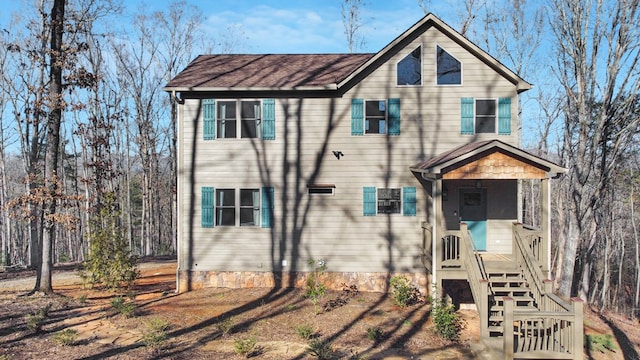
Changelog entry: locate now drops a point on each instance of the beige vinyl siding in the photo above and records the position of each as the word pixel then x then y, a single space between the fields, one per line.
pixel 332 228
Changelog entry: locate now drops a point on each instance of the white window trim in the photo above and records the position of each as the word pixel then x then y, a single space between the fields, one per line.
pixel 436 67
pixel 237 207
pixel 238 106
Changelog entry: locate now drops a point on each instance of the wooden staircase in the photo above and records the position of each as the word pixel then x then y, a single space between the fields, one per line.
pixel 507 284
pixel 520 317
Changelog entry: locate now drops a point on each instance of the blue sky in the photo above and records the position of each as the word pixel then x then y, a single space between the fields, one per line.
pixel 290 26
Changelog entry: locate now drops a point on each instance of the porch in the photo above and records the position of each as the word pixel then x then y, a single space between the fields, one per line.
pixel 474 235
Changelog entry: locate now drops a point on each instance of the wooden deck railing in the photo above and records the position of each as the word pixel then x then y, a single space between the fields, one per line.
pixel 553 332
pixel 477 276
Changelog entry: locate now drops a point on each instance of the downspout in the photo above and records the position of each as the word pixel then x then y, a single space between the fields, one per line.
pixel 177 100
pixel 434 235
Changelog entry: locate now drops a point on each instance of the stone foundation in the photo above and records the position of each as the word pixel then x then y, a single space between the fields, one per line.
pixel 368 282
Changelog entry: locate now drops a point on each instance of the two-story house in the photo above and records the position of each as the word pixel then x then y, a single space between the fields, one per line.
pixel 402 162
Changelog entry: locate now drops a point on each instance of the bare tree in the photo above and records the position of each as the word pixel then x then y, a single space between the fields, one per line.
pixel 352 21
pixel 599 117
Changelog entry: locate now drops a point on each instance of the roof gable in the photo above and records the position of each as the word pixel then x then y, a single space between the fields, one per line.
pixel 428 21
pixel 487 159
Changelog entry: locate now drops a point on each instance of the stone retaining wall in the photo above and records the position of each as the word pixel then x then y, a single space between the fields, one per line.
pixel 369 282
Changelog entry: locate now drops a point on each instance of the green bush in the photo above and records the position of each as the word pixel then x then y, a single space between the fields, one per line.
pixel 36 320
pixel 601 342
pixel 245 346
pixel 305 332
pixel 66 337
pixel 156 333
pixel 448 323
pixel 225 325
pixel 402 292
pixel 321 349
pixel 315 288
pixel 375 333
pixel 127 309
pixel 110 262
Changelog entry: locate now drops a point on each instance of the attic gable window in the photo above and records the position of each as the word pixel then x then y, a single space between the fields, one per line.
pixel 409 69
pixel 449 69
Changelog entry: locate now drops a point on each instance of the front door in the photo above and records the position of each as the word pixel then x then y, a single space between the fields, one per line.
pixel 473 212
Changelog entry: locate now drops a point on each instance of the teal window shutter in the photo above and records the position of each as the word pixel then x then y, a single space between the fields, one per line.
pixel 269 119
pixel 369 200
pixel 504 116
pixel 207 207
pixel 409 201
pixel 209 119
pixel 466 110
pixel 394 116
pixel 267 206
pixel 357 117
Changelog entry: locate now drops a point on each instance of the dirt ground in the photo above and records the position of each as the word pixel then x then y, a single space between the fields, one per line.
pixel 210 323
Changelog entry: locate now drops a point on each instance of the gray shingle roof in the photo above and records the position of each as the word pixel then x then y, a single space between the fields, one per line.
pixel 267 71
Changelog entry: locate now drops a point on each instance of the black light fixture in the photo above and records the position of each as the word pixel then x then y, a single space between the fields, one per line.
pixel 338 154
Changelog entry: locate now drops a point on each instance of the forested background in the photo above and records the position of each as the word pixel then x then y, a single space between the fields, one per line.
pixel 86 130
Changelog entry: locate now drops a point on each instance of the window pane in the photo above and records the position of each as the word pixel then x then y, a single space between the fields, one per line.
pixel 250 109
pixel 249 197
pixel 250 128
pixel 486 107
pixel 226 217
pixel 376 108
pixel 225 197
pixel 226 110
pixel 449 68
pixel 389 201
pixel 409 69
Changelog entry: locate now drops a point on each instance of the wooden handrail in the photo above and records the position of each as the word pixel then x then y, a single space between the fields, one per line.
pixel 478 281
pixel 556 330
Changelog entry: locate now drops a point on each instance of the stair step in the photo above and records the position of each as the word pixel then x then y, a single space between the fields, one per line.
pixel 500 308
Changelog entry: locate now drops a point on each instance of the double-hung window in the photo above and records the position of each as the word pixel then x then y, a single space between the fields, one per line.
pixel 237 207
pixel 375 117
pixel 232 119
pixel 485 116
pixel 238 117
pixel 389 201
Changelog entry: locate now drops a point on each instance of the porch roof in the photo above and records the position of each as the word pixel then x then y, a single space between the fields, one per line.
pixel 490 159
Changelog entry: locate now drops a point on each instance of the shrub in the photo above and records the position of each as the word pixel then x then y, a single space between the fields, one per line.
pixel 36 320
pixel 600 342
pixel 110 261
pixel 245 346
pixel 306 332
pixel 315 288
pixel 127 309
pixel 375 333
pixel 66 337
pixel 156 333
pixel 321 349
pixel 402 292
pixel 225 325
pixel 448 323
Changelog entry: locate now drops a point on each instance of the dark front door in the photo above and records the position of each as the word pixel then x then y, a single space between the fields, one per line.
pixel 473 212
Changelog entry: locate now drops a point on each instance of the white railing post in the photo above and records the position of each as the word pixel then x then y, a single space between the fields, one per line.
pixel 578 324
pixel 507 328
pixel 483 308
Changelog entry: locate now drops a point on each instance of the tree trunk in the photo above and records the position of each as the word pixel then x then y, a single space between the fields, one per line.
pixel 53 144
